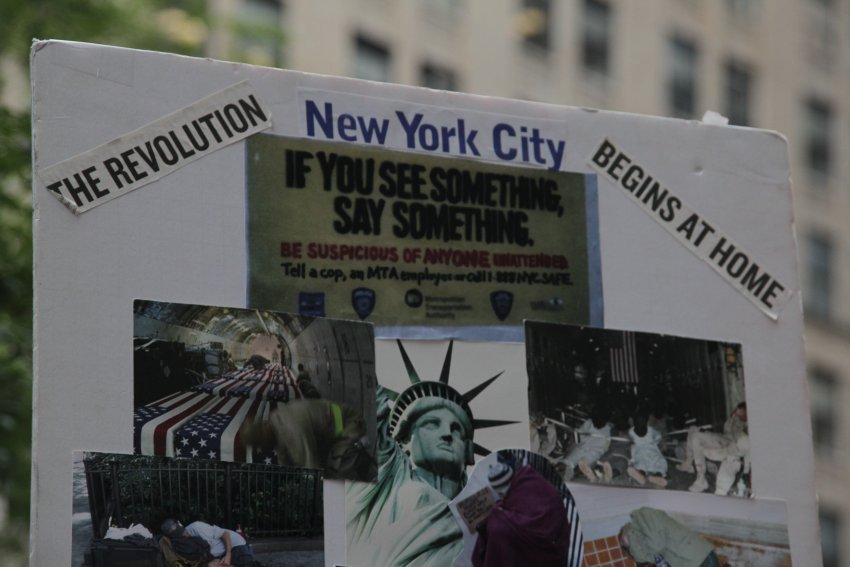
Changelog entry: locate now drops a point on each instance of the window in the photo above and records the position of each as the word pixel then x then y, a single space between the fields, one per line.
pixel 682 78
pixel 533 23
pixel 830 534
pixel 258 33
pixel 596 36
pixel 436 77
pixel 738 93
pixel 824 391
pixel 818 138
pixel 823 37
pixel 371 60
pixel 817 292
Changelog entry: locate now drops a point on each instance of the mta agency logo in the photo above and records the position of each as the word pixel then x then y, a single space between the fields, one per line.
pixel 502 302
pixel 311 303
pixel 413 298
pixel 363 301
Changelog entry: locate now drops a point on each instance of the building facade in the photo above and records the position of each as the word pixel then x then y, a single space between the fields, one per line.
pixel 777 64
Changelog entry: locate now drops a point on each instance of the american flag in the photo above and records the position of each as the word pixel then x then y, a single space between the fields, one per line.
pixel 204 436
pixel 141 416
pixel 266 457
pixel 159 429
pixel 279 391
pixel 272 382
pixel 623 356
pixel 270 373
pixel 204 422
pixel 200 438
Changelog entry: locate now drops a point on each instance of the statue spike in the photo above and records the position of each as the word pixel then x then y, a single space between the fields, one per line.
pixel 444 375
pixel 479 450
pixel 411 371
pixel 485 423
pixel 470 395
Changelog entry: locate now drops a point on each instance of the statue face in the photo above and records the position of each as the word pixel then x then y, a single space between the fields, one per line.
pixel 438 442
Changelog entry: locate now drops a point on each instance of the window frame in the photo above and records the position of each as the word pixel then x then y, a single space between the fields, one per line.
pixel 368 52
pixel 682 76
pixel 597 23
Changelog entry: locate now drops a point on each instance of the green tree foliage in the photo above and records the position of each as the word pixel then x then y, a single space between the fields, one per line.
pixel 15 324
pixel 150 24
pixel 147 24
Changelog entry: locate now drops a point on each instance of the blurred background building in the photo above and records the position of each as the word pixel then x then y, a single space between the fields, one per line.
pixel 776 64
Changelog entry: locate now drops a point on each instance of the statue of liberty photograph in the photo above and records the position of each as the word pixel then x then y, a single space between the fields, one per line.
pixel 425 443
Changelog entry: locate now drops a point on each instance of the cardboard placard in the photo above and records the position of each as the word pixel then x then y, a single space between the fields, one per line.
pixel 189 237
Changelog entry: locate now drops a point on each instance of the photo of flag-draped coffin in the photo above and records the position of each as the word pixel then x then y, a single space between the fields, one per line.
pixel 245 385
pixel 203 422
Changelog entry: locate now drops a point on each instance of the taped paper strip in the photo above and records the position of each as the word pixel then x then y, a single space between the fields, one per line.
pixel 157 149
pixel 691 229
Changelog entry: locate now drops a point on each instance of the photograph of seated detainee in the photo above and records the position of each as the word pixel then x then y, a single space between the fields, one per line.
pixel 544 437
pixel 731 448
pixel 640 410
pixel 647 462
pixel 592 441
